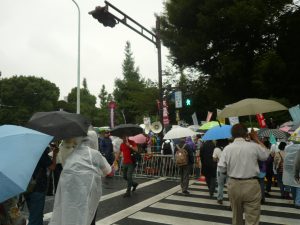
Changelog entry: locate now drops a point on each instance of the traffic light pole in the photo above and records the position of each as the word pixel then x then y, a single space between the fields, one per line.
pixel 104 17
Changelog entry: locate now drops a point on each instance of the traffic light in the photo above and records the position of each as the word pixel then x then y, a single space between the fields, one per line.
pixel 188 102
pixel 103 16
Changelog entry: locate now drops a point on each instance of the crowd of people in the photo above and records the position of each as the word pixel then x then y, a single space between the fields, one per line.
pixel 247 165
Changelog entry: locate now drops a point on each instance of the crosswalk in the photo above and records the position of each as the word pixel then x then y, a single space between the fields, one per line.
pixel 171 207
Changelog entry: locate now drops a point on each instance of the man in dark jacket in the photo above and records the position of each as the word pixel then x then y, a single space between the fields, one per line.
pixel 35 199
pixel 106 148
pixel 209 166
pixel 184 170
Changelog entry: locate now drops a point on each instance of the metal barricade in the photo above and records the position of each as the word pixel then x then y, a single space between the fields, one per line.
pixel 157 165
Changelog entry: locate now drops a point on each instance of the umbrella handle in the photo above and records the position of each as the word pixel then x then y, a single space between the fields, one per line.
pixel 250 121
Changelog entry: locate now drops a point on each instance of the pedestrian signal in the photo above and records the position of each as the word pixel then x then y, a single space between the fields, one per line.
pixel 188 102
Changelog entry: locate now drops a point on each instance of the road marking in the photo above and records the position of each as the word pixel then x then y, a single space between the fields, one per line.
pixel 137 207
pixel 220 212
pixel 47 216
pixel 226 203
pixel 159 218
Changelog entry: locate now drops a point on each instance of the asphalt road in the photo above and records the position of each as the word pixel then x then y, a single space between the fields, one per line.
pixel 160 201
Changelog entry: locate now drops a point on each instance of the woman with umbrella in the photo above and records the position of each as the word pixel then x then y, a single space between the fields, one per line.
pixel 79 188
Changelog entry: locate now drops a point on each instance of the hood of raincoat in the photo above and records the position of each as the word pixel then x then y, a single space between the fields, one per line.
pixel 80 188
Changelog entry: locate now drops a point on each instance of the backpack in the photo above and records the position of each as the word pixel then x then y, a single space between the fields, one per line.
pixel 280 166
pixel 167 149
pixel 181 156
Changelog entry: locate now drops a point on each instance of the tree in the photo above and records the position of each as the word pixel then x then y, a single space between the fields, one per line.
pixel 105 98
pixel 87 103
pixel 22 96
pixel 134 96
pixel 235 44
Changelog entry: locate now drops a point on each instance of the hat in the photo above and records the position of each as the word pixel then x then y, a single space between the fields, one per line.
pixel 295 136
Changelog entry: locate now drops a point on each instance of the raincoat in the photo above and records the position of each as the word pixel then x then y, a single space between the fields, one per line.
pixel 289 165
pixel 79 188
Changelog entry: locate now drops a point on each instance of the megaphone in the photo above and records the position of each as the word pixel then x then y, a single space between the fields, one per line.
pixel 156 127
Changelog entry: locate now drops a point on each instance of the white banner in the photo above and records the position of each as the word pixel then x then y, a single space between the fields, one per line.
pixel 233 120
pixel 195 120
pixel 178 99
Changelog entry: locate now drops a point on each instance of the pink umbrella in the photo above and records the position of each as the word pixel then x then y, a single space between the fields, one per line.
pixel 286 129
pixel 139 139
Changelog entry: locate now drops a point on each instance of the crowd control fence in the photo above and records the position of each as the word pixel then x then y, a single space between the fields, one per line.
pixel 157 165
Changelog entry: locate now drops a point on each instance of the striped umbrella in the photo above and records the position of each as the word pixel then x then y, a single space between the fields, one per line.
pixel 279 134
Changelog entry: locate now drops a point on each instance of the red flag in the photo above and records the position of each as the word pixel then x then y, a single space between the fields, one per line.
pixel 261 120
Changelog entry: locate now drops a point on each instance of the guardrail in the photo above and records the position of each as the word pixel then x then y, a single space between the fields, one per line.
pixel 157 165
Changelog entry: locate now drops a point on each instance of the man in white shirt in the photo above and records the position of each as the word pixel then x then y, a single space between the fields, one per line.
pixel 239 160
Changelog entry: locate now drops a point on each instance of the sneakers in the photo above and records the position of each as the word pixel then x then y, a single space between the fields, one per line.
pixel 127 194
pixel 220 201
pixel 267 194
pixel 134 186
pixel 186 192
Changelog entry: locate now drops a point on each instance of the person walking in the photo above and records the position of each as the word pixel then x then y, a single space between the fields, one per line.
pixel 209 166
pixel 184 169
pixel 106 147
pixel 278 165
pixel 240 160
pixel 221 177
pixel 126 149
pixel 291 166
pixel 80 186
pixel 36 192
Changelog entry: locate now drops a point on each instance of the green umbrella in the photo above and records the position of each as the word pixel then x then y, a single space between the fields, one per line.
pixel 210 125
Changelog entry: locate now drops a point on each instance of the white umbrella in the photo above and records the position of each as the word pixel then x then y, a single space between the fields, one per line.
pixel 254 128
pixel 179 132
pixel 251 106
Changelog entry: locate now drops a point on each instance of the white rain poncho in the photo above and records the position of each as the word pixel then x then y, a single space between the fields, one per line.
pixel 79 188
pixel 289 165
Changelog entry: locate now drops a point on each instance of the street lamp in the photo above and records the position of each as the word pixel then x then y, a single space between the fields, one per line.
pixel 110 20
pixel 78 62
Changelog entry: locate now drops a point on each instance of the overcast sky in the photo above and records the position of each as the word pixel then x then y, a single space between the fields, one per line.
pixel 39 37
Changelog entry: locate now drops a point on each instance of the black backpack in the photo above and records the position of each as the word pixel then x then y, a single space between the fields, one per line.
pixel 167 149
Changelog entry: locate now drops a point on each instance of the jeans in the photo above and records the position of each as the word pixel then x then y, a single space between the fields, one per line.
pixel 221 177
pixel 35 203
pixel 197 173
pixel 127 175
pixel 280 184
pixel 184 172
pixel 262 187
pixel 296 195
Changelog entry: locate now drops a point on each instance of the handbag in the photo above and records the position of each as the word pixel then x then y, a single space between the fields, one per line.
pixel 135 156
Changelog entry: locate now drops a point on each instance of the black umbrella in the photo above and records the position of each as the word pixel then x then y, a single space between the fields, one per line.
pixel 279 134
pixel 126 130
pixel 60 124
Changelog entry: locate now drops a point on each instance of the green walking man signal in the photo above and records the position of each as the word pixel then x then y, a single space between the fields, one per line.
pixel 188 102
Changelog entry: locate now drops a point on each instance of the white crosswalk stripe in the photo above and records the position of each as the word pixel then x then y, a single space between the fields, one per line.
pixel 199 209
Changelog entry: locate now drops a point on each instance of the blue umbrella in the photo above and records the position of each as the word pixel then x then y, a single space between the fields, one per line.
pixel 218 132
pixel 20 151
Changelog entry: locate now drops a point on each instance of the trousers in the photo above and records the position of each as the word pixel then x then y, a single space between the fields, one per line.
pixel 245 197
